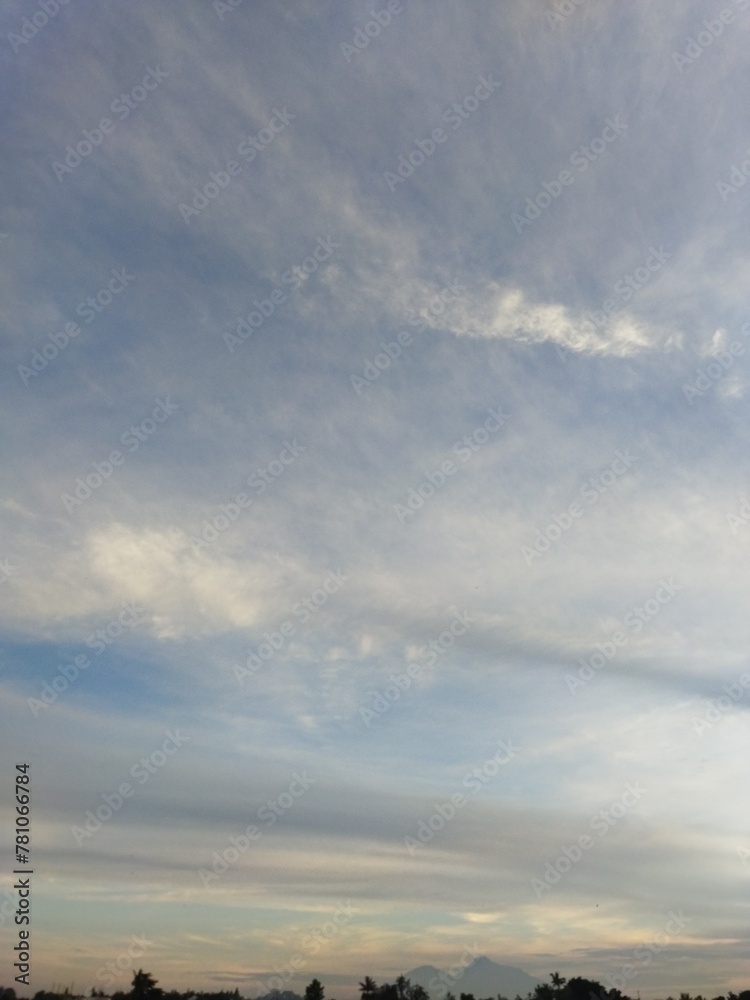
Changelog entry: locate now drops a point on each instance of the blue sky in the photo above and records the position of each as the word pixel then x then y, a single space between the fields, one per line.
pixel 436 321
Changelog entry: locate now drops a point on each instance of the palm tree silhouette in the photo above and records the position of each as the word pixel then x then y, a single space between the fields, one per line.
pixel 368 987
pixel 557 981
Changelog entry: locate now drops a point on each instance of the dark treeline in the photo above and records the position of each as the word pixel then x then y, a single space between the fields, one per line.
pixel 144 987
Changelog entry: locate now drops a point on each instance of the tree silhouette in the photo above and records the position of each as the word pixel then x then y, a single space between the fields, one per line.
pixel 387 991
pixel 543 992
pixel 315 990
pixel 417 992
pixel 368 987
pixel 578 988
pixel 144 986
pixel 402 989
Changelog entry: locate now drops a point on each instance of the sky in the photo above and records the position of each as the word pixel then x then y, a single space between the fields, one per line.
pixel 374 513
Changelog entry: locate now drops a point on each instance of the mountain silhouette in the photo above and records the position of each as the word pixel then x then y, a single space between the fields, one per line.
pixel 482 977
